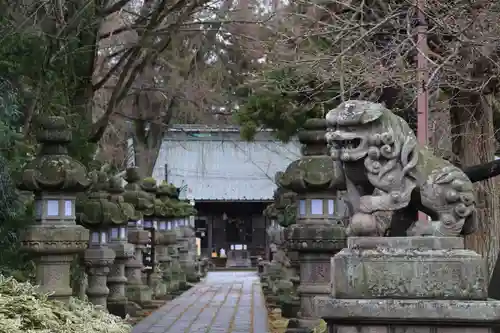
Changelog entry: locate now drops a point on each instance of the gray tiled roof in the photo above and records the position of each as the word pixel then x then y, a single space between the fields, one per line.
pixel 216 164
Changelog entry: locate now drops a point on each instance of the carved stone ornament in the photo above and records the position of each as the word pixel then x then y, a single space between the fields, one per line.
pixel 142 201
pixel 321 238
pixel 168 194
pixel 116 191
pixel 383 164
pixel 53 170
pixel 149 186
pixel 315 170
pixel 97 211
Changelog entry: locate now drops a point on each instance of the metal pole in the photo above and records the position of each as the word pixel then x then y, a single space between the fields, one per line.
pixel 422 79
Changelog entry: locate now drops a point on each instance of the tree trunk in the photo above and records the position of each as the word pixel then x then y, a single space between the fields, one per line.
pixel 474 143
pixel 147 142
pixel 145 156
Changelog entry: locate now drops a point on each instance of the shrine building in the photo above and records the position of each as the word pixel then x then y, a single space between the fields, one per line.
pixel 230 180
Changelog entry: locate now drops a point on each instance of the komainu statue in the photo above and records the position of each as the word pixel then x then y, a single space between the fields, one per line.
pixel 386 170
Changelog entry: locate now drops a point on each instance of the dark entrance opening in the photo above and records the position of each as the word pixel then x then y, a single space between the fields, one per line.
pixel 234 231
pixel 201 232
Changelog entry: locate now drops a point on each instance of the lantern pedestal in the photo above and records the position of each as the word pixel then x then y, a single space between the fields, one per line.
pixel 137 292
pixel 316 243
pixel 164 238
pixel 175 267
pixel 117 280
pixel 54 247
pixel 187 254
pixel 180 258
pixel 154 281
pixel 98 261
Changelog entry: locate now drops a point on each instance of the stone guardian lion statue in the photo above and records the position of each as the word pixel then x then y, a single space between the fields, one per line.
pixel 383 165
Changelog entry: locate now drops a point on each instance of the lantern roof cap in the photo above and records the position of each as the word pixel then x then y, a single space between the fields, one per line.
pixel 315 171
pixel 96 210
pixel 134 194
pixel 53 170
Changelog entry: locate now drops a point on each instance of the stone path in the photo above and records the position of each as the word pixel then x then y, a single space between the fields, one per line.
pixel 226 302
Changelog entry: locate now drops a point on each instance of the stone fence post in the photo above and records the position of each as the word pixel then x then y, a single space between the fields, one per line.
pixel 55 179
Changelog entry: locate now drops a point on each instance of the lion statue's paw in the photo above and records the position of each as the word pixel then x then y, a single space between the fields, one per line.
pixel 423 228
pixel 363 225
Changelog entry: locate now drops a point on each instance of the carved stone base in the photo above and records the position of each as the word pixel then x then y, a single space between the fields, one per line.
pixel 313 245
pixel 408 284
pixel 117 301
pixel 98 261
pixel 408 267
pixel 419 316
pixel 154 280
pixel 53 248
pixel 189 268
pixel 118 308
pixel 139 293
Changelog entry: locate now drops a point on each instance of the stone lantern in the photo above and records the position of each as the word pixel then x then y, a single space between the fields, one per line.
pixel 165 237
pixel 151 225
pixel 179 250
pixel 55 179
pixel 97 214
pixel 271 214
pixel 137 291
pixel 318 234
pixel 118 241
pixel 188 242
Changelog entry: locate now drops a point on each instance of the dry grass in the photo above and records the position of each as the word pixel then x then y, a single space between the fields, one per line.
pixel 277 324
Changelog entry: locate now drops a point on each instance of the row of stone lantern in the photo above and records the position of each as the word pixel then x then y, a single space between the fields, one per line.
pixel 115 225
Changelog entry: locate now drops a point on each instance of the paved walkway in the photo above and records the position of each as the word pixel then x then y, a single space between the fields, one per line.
pixel 226 302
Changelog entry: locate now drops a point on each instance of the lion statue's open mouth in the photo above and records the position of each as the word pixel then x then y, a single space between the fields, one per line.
pixel 346 146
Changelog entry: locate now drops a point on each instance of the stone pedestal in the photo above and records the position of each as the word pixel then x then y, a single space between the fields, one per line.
pixel 98 261
pixel 175 267
pixel 187 254
pixel 238 258
pixel 137 292
pixel 408 284
pixel 315 244
pixel 180 257
pixel 53 260
pixel 164 239
pixel 117 279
